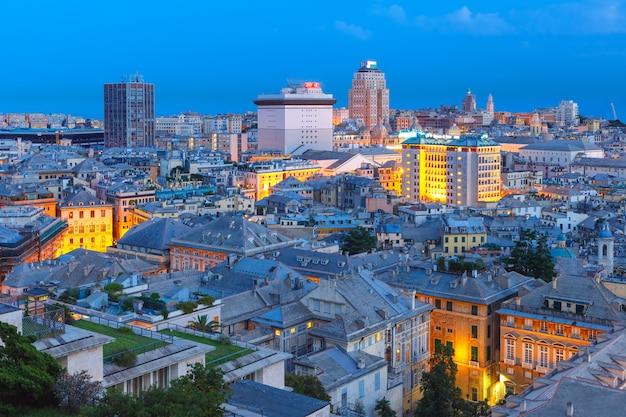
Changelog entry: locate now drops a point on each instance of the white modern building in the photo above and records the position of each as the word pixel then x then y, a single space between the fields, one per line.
pixel 297 119
pixel 567 113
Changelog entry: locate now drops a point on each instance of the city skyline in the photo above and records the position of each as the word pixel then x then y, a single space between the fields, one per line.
pixel 217 58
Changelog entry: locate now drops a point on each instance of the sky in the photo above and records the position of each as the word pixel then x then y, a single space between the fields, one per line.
pixel 217 56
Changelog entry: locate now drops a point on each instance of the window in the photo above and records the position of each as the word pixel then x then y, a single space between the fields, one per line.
pixel 103 213
pixel 92 213
pixel 361 388
pixel 528 353
pixel 474 394
pixel 559 354
pixel 474 310
pixel 81 214
pixel 376 381
pixel 474 351
pixel 488 356
pixel 450 331
pixel 489 331
pixel 543 327
pixel 543 356
pixel 474 332
pixel 559 329
pixel 355 347
pixel 437 344
pixel 450 345
pixel 449 305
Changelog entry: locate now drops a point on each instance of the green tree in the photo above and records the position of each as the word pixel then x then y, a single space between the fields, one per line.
pixel 358 240
pixel 202 324
pixel 308 385
pixel 383 408
pixel 27 376
pixel 199 393
pixel 114 290
pixel 441 397
pixel 76 390
pixel 187 307
pixel 531 257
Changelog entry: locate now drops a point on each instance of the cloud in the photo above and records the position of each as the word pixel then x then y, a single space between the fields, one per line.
pixel 395 12
pixel 464 20
pixel 604 17
pixel 353 30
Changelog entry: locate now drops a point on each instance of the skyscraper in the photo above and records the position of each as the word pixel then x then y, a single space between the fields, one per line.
pixel 490 105
pixel 368 99
pixel 129 113
pixel 297 119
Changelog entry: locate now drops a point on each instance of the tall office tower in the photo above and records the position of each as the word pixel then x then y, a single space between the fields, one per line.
pixel 368 99
pixel 490 106
pixel 469 101
pixel 567 113
pixel 474 177
pixel 129 113
pixel 297 119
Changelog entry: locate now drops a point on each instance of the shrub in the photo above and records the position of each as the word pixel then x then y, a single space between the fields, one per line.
pixel 125 330
pixel 187 307
pixel 125 358
pixel 207 300
pixel 224 339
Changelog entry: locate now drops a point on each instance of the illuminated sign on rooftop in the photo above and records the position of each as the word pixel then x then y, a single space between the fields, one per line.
pixel 311 84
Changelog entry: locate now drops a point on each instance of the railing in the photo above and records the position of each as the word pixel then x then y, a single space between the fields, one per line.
pixel 548 313
pixel 44 324
pixel 218 337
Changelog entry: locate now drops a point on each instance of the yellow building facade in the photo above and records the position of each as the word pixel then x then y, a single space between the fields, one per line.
pixel 462 234
pixel 89 222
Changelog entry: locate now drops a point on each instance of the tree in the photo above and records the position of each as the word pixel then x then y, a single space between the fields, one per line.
pixel 199 393
pixel 76 390
pixel 531 257
pixel 358 240
pixel 202 324
pixel 27 376
pixel 308 385
pixel 383 408
pixel 441 397
pixel 114 290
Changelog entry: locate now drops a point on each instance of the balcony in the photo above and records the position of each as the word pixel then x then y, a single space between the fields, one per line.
pixel 510 362
pixel 527 365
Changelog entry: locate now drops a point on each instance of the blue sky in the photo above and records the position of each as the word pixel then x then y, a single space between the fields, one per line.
pixel 217 56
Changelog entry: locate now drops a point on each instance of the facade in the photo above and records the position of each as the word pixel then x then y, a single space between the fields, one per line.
pixel 462 234
pixel 463 171
pixel 260 178
pixel 465 319
pixel 129 113
pixel 553 323
pixel 89 222
pixel 368 99
pixel 567 113
pixel 297 119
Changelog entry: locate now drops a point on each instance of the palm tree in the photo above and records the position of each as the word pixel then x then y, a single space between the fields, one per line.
pixel 202 323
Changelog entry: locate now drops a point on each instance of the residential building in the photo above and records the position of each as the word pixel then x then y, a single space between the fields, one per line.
pixel 208 245
pixel 89 222
pixel 462 172
pixel 553 323
pixel 567 113
pixel 465 319
pixel 588 384
pixel 297 119
pixel 366 315
pixel 129 113
pixel 462 234
pixel 555 157
pixel 149 241
pixel 28 235
pixel 368 99
pixel 259 178
pixel 124 195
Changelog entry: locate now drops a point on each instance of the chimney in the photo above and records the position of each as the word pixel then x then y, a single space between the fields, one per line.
pixel 518 301
pixel 413 299
pixel 360 363
pixel 554 283
pixel 522 406
pixel 569 412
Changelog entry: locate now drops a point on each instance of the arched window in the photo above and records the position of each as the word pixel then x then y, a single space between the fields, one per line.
pixel 605 250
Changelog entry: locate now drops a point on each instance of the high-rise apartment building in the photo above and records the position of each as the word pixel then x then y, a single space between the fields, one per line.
pixel 567 113
pixel 459 171
pixel 368 99
pixel 297 119
pixel 129 113
pixel 490 105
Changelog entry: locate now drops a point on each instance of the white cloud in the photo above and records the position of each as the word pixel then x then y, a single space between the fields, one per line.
pixel 464 20
pixel 583 18
pixel 353 30
pixel 395 12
